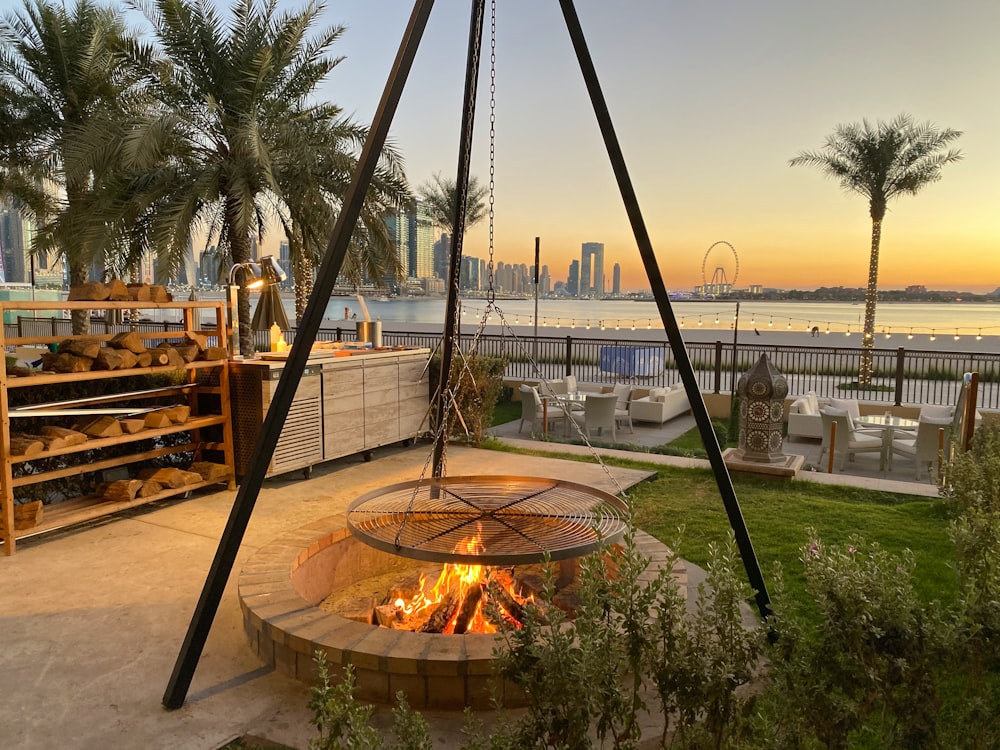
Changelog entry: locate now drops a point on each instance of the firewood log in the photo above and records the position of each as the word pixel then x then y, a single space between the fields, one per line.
pixel 27 515
pixel 177 414
pixel 170 477
pixel 26 445
pixel 150 488
pixel 174 358
pixel 117 290
pixel 110 359
pixel 441 615
pixel 472 598
pixel 132 426
pixel 214 353
pixel 130 340
pixel 160 358
pixel 102 427
pixel 156 419
pixel 144 359
pixel 122 490
pixel 91 290
pixel 158 293
pixel 72 437
pixel 188 352
pixel 502 598
pixel 138 292
pixel 81 347
pixel 129 359
pixel 66 363
pixel 198 339
pixel 51 442
pixel 212 472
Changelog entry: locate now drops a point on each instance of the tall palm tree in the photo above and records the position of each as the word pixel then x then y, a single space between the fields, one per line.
pixel 64 67
pixel 881 161
pixel 441 193
pixel 237 119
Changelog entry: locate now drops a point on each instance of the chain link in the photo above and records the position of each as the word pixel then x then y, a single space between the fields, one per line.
pixel 491 282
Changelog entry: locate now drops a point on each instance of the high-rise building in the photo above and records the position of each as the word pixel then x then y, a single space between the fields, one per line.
pixel 15 244
pixel 285 261
pixel 544 282
pixel 616 280
pixel 421 242
pixel 469 277
pixel 592 270
pixel 573 280
pixel 442 255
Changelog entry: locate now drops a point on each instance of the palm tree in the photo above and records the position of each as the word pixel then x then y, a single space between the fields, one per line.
pixel 441 194
pixel 881 161
pixel 60 70
pixel 239 141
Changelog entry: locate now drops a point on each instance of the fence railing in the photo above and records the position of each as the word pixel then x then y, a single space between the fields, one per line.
pixel 900 376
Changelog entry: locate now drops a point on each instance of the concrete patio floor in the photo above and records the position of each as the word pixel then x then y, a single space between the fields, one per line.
pixel 93 617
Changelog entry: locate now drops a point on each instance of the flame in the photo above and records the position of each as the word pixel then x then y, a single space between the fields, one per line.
pixel 460 580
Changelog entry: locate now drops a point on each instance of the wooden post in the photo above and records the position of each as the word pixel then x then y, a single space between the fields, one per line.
pixel 545 417
pixel 940 451
pixel 833 442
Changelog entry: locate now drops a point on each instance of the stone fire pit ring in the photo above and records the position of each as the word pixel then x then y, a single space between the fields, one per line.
pixel 280 588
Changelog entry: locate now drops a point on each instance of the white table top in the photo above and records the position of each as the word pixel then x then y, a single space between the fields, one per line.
pixel 881 421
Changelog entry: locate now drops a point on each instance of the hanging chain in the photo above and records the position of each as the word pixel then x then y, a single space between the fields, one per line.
pixel 491 295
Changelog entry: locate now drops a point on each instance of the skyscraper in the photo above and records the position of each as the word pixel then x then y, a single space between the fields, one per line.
pixel 592 270
pixel 616 280
pixel 421 241
pixel 15 242
pixel 573 280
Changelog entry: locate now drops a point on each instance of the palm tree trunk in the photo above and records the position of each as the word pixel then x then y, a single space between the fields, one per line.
pixel 81 318
pixel 871 300
pixel 239 248
pixel 302 271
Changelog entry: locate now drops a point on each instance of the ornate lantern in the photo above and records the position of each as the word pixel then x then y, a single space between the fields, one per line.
pixel 762 392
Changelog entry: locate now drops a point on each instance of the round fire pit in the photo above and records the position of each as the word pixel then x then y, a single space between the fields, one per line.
pixel 282 584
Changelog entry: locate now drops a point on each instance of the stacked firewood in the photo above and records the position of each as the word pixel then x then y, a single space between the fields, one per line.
pixel 127 350
pixel 117 290
pixel 151 482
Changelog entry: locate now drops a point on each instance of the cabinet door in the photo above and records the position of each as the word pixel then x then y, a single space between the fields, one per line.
pixel 414 396
pixel 301 441
pixel 381 403
pixel 343 410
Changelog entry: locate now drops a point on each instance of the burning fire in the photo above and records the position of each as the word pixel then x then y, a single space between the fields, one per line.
pixel 458 596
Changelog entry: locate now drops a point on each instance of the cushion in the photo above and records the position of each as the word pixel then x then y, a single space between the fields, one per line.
pixel 834 411
pixel 849 405
pixel 937 412
pixel 657 394
pixel 812 402
pixel 676 387
pixel 936 420
pixel 803 406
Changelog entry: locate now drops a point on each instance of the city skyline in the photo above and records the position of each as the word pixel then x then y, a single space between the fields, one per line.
pixel 709 101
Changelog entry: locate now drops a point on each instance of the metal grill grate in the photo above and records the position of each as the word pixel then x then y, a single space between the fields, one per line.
pixel 516 519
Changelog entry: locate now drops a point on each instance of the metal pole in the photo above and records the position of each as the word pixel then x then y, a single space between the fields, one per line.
pixel 312 317
pixel 534 356
pixel 461 194
pixel 698 408
pixel 736 334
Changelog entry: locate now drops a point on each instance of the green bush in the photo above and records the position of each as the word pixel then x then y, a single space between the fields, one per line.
pixel 477 384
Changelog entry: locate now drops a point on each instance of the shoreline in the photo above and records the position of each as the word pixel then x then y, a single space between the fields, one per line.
pixel 766 337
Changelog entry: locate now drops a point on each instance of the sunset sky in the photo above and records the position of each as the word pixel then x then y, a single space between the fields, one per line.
pixel 710 100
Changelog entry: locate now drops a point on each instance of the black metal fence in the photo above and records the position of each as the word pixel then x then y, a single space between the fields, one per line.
pixel 901 376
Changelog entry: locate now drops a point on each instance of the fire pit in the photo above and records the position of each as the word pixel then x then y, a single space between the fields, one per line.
pixel 281 586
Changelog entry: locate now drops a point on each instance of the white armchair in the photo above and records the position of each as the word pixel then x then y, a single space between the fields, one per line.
pixel 598 414
pixel 933 434
pixel 533 411
pixel 848 441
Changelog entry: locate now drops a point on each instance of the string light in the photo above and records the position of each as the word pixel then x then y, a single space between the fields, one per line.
pixel 717 319
pixel 770 323
pixel 633 325
pixel 956 335
pixel 848 331
pixel 602 325
pixel 887 333
pixel 789 324
pixel 910 334
pixel 699 320
pixel 649 325
pixel 933 335
pixel 617 325
pixel 828 328
pixel 979 336
pixel 682 322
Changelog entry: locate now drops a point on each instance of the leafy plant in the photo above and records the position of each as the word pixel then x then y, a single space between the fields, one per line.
pixel 477 382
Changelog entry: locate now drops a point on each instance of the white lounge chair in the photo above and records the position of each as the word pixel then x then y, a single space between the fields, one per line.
pixel 848 440
pixel 598 414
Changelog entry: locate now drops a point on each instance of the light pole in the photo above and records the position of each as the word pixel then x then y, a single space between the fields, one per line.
pixel 534 356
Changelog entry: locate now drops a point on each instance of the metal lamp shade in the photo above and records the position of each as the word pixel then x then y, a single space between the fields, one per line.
pixel 269 311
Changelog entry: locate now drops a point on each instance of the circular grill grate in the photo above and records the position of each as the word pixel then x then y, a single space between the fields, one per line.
pixel 516 519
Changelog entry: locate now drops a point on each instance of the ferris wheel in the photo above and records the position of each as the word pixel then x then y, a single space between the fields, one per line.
pixel 719 269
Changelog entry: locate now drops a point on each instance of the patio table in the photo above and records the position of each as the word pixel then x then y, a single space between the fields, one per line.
pixel 888 425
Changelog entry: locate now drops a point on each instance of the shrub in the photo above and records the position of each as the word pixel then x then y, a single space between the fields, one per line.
pixel 478 383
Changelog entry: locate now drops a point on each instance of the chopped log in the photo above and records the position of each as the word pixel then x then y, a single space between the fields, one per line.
pixel 160 357
pixel 468 608
pixel 81 347
pixel 117 290
pixel 214 353
pixel 144 359
pixel 27 515
pixel 122 490
pixel 111 359
pixel 212 472
pixel 66 363
pixel 388 616
pixel 360 609
pixel 158 293
pixel 132 426
pixel 102 427
pixel 441 615
pixel 128 358
pixel 17 371
pixel 502 598
pixel 138 292
pixel 51 442
pixel 170 477
pixel 198 339
pixel 90 291
pixel 174 357
pixel 188 352
pixel 72 437
pixel 99 489
pixel 129 340
pixel 156 419
pixel 177 414
pixel 26 445
pixel 150 488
